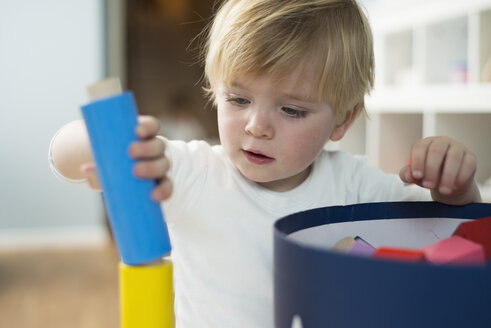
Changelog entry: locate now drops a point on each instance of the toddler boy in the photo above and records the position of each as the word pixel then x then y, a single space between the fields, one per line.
pixel 286 77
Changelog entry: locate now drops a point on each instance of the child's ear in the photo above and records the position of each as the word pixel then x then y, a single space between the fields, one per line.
pixel 341 128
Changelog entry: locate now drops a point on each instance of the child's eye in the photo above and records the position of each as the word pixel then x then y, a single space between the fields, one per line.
pixel 293 112
pixel 238 100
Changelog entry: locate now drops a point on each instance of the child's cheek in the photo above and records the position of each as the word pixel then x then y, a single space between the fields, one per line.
pixel 302 149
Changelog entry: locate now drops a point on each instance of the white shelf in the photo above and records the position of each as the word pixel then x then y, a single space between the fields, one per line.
pixel 470 98
pixel 392 16
pixel 433 69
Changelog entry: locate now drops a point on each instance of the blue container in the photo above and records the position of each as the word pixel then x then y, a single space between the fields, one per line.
pixel 136 221
pixel 323 288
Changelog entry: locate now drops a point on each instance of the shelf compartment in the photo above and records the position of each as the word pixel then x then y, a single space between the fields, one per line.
pixel 474 131
pixel 446 51
pixel 394 135
pixel 354 140
pixel 484 51
pixel 398 57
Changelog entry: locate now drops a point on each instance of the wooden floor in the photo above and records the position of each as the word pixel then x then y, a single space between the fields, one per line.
pixel 77 289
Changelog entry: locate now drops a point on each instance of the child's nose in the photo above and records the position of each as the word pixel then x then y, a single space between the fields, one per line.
pixel 259 125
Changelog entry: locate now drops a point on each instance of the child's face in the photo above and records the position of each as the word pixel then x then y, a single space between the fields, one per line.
pixel 273 132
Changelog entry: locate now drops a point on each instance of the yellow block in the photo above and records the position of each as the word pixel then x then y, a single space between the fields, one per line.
pixel 145 295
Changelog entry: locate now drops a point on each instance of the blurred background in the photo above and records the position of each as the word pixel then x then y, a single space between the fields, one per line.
pixel 58 266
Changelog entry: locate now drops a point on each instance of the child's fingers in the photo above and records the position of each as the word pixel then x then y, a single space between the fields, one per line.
pixel 148 127
pixel 88 170
pixel 152 169
pixel 451 168
pixel 435 156
pixel 147 149
pixel 467 169
pixel 418 158
pixel 405 174
pixel 163 190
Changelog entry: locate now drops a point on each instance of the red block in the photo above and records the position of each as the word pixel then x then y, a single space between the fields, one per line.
pixel 400 254
pixel 454 250
pixel 479 231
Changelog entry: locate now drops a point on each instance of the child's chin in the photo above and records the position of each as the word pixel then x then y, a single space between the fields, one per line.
pixel 257 178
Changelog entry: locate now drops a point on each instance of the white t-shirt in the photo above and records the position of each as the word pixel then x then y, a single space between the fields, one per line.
pixel 221 228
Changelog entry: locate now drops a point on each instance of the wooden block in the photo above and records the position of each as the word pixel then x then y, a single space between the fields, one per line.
pixel 454 250
pixel 344 244
pixel 399 254
pixel 105 88
pixel 478 231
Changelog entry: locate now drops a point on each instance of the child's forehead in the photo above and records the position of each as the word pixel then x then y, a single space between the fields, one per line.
pixel 299 82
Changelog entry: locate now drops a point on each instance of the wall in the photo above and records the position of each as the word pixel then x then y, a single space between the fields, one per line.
pixel 49 51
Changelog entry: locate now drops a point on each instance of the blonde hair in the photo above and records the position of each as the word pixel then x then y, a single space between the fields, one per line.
pixel 271 36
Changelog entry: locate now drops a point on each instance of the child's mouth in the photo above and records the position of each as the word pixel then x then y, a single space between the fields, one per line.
pixel 257 158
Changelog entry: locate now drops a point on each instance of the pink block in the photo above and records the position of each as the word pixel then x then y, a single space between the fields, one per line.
pixel 455 250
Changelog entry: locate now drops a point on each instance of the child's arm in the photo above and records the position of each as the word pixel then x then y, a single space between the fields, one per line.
pixel 70 151
pixel 446 167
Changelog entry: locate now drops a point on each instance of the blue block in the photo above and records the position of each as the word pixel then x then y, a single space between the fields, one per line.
pixel 136 221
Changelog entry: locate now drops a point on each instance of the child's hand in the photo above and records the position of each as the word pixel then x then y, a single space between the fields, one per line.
pixel 152 163
pixel 446 167
pixel 149 152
